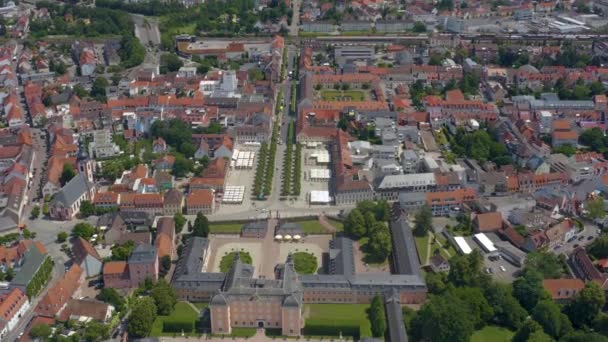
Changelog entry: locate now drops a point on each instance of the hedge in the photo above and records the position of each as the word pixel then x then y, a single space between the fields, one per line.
pixel 178 326
pixel 331 329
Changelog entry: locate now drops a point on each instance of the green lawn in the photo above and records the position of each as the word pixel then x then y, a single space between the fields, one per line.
pixel 422 247
pixel 312 227
pixel 182 312
pixel 228 259
pixel 492 333
pixel 446 246
pixel 342 95
pixel 243 332
pixel 339 225
pixel 225 228
pixel 334 316
pixel 305 263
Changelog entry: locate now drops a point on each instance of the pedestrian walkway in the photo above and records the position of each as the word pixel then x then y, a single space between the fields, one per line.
pixel 258 337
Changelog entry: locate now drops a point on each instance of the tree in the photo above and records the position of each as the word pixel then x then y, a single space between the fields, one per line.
pixel 122 252
pixel 86 208
pixel 180 221
pixel 132 53
pixel 41 331
pixel 507 310
pixel 98 90
pixel 445 5
pixel 553 321
pixel 599 247
pixel 436 282
pixel 165 264
pixel 111 296
pixel 477 305
pixel 67 173
pixel 442 318
pixel 95 331
pixel 201 225
pixel 182 166
pixel 142 317
pixel 424 221
pixel 419 27
pixel 583 336
pixel 528 289
pixel 164 296
pixel 62 237
pixel 377 317
pixel 170 62
pixel 355 224
pixel 586 306
pixel 596 208
pixel 465 270
pixel 343 124
pixel 379 245
pixel 545 263
pixel 80 91
pixel 83 230
pixel 383 211
pixel 35 211
pixel 255 74
pixel 529 329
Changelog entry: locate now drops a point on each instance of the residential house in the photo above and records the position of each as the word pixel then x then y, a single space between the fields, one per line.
pixel 106 200
pixel 13 306
pixel 87 310
pixel 438 264
pixel 86 257
pixel 173 202
pixel 213 176
pixel 550 237
pixel 164 163
pixel 584 268
pixel 202 200
pixel 57 297
pixel 152 203
pixel 142 264
pixel 214 146
pixel 123 226
pixel 165 236
pixel 563 290
pixel 159 146
pixel 487 222
pixel 66 203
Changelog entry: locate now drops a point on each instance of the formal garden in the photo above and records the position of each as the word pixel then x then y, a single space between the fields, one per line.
pixel 228 259
pixel 342 95
pixel 305 263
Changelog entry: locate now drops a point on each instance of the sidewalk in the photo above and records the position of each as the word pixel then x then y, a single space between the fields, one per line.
pixel 258 337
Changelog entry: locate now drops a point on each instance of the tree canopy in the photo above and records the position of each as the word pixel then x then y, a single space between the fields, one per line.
pixel 83 230
pixel 143 314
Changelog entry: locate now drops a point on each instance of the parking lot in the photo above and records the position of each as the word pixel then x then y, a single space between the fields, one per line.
pixel 500 269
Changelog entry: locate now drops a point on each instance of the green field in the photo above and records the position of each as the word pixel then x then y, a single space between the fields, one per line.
pixel 492 333
pixel 225 228
pixel 333 317
pixel 339 225
pixel 422 247
pixel 182 312
pixel 342 95
pixel 312 227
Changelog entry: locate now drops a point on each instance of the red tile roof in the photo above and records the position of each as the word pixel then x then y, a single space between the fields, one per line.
pixel 563 288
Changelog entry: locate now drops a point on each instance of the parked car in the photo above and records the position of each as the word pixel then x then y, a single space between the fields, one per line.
pixel 502 268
